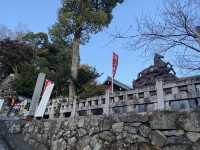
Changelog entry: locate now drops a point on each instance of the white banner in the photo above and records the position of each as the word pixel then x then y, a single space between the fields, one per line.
pixel 1 103
pixel 37 93
pixel 44 101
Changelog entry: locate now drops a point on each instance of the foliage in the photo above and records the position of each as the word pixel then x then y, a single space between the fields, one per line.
pixel 59 59
pixel 48 59
pixel 91 89
pixel 86 85
pixel 14 53
pixel 37 40
pixel 25 80
pixel 87 74
pixel 77 20
pixel 55 62
pixel 83 16
pixel 60 72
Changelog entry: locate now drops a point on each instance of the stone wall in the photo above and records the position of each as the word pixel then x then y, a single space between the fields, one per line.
pixel 11 134
pixel 158 131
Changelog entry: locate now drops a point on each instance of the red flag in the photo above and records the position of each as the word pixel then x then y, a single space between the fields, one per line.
pixel 47 83
pixel 114 64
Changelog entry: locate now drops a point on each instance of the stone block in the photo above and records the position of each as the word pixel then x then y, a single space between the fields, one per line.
pixel 163 120
pixel 173 132
pixel 81 122
pixel 106 123
pixel 135 139
pixel 193 136
pixel 118 127
pixel 132 117
pixel 72 141
pixel 157 138
pixel 87 148
pixel 134 124
pixel 30 129
pixel 178 147
pixel 130 129
pixel 67 134
pixel 65 124
pixel 94 121
pixel 189 121
pixel 105 136
pixel 98 146
pixel 81 132
pixel 47 124
pixel 15 128
pixel 144 131
pixel 94 130
pixel 179 140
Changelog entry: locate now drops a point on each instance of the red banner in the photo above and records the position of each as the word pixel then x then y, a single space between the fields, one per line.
pixel 114 64
pixel 47 83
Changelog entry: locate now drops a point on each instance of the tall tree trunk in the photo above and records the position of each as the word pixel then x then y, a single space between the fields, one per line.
pixel 75 53
pixel 74 67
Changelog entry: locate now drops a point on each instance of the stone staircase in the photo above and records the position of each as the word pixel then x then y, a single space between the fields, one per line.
pixel 6 87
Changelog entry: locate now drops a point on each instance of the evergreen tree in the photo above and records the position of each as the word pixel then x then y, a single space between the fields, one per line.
pixel 77 20
pixel 54 60
pixel 14 53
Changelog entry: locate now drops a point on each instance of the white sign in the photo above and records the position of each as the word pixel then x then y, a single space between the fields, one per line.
pixel 1 103
pixel 37 93
pixel 44 101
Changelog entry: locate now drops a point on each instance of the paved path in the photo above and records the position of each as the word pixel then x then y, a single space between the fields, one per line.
pixel 16 142
pixel 12 141
pixel 3 145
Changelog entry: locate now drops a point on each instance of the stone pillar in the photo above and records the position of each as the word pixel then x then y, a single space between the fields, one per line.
pixel 167 107
pixel 107 103
pixel 62 115
pixel 146 94
pixel 89 112
pixel 160 95
pixel 51 113
pixel 73 114
pixel 175 90
pixel 130 108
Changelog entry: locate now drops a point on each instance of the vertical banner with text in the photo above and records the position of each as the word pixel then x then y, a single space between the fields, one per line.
pixel 36 94
pixel 48 87
pixel 115 58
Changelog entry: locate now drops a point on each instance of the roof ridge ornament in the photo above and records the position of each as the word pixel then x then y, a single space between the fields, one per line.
pixel 160 70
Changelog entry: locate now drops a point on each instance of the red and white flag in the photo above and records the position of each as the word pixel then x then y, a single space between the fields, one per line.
pixel 48 87
pixel 47 83
pixel 114 64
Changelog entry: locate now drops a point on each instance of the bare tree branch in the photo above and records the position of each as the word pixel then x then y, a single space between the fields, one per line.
pixel 173 31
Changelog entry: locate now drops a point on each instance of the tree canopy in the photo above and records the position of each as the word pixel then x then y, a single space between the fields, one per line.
pixel 58 56
pixel 77 20
pixel 14 53
pixel 83 17
pixel 29 57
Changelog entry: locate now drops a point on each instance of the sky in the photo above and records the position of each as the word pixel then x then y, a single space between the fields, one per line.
pixel 39 15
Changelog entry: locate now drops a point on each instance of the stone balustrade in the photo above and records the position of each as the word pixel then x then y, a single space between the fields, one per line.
pixel 147 99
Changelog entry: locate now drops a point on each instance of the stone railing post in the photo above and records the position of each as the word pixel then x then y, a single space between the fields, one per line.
pixel 73 114
pixel 160 95
pixel 106 109
pixel 51 113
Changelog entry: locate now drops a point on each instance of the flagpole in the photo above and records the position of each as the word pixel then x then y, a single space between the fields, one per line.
pixel 112 84
pixel 112 76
